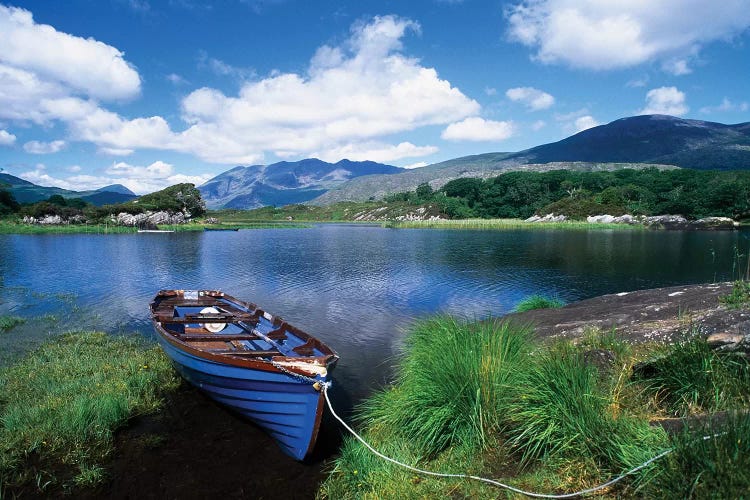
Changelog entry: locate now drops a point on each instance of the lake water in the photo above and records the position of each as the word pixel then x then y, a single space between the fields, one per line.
pixel 355 287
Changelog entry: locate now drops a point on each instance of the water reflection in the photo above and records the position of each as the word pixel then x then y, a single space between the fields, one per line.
pixel 355 287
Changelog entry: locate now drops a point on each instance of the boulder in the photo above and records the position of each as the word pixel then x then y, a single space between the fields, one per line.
pixel 600 219
pixel 729 342
pixel 547 218
pixel 714 224
pixel 51 219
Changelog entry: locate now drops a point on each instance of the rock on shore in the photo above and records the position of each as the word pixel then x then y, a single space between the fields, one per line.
pixel 669 222
pixel 660 314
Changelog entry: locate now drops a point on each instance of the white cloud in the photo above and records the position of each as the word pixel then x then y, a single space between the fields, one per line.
pixel 665 101
pixel 351 97
pixel 375 151
pixel 538 125
pixel 478 129
pixel 6 138
pixel 74 168
pixel 725 106
pixel 677 67
pixel 585 122
pixel 221 68
pixel 176 79
pixel 43 148
pixel 534 99
pixel 80 65
pixel 418 164
pixel 576 121
pixel 490 91
pixel 139 179
pixel 637 82
pixel 604 35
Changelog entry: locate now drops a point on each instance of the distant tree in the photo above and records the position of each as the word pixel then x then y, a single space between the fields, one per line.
pixel 178 198
pixel 424 191
pixel 58 200
pixel 8 203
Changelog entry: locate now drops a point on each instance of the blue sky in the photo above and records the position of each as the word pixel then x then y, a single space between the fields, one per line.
pixel 148 93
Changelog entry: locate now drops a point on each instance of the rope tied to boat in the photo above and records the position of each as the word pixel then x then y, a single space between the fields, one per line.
pixel 609 483
pixel 317 384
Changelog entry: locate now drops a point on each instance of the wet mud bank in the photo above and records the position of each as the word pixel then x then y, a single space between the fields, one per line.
pixel 195 448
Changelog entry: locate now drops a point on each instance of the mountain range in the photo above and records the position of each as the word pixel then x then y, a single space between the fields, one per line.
pixel 28 192
pixel 633 142
pixel 285 182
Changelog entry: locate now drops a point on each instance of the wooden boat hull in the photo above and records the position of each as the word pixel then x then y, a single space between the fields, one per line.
pixel 283 401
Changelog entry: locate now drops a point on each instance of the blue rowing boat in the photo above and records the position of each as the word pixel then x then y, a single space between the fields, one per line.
pixel 245 358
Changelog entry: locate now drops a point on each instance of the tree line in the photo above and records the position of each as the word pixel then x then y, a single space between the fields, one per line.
pixel 180 197
pixel 691 193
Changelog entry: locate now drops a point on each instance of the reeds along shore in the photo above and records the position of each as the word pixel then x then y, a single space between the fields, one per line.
pixel 504 224
pixel 486 399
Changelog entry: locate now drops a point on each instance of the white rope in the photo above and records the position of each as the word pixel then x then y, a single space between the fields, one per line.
pixel 492 481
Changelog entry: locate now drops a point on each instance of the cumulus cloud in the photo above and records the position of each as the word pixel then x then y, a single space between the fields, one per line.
pixel 665 101
pixel 81 65
pixel 375 151
pixel 351 97
pixel 606 35
pixel 725 106
pixel 139 179
pixel 478 129
pixel 585 122
pixel 534 99
pixel 44 148
pixel 6 138
pixel 577 121
pixel 418 164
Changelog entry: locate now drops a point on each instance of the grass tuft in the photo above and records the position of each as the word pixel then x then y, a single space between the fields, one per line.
pixel 692 378
pixel 538 302
pixel 453 383
pixel 739 297
pixel 8 322
pixel 707 462
pixel 60 405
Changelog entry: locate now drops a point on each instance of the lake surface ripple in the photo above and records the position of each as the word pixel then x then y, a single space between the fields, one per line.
pixel 355 287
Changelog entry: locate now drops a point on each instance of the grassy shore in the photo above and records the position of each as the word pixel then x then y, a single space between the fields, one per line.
pixel 8 227
pixel 486 399
pixel 60 405
pixel 504 224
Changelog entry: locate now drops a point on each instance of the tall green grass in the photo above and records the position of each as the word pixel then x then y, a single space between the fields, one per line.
pixel 488 400
pixel 60 405
pixel 707 462
pixel 563 410
pixel 453 384
pixel 690 378
pixel 538 302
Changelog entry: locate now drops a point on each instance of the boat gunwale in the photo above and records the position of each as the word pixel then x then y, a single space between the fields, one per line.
pixel 328 359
